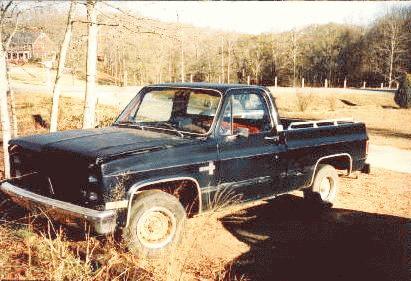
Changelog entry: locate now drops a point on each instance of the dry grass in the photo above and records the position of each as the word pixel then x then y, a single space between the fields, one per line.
pixel 35 248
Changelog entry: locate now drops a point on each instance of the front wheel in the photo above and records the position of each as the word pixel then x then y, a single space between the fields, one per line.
pixel 325 185
pixel 156 223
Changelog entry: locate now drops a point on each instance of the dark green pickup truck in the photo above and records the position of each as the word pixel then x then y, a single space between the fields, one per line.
pixel 169 155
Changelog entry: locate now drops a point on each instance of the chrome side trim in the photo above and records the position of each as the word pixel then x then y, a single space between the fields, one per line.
pixel 331 156
pixel 135 188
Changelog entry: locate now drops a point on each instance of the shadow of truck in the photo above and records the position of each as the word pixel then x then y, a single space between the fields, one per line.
pixel 291 239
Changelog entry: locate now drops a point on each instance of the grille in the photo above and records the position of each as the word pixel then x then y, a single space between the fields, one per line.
pixel 56 175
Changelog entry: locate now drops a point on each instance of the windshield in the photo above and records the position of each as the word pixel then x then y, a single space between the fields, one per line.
pixel 178 110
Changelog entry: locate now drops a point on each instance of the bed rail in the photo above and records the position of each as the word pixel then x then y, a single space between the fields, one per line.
pixel 319 123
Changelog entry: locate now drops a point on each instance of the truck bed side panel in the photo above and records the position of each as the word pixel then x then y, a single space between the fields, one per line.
pixel 306 146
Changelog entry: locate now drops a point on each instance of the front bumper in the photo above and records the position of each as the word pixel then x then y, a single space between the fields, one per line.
pixel 102 222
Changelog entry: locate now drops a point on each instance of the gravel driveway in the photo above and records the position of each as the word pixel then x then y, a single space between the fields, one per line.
pixel 390 158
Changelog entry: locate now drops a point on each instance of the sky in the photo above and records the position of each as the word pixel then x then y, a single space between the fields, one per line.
pixel 260 17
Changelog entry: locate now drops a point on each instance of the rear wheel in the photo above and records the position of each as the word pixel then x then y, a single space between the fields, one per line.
pixel 156 222
pixel 325 185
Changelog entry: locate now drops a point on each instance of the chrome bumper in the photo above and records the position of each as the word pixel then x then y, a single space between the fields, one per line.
pixel 102 222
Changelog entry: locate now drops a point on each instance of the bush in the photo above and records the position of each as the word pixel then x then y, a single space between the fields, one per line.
pixel 304 100
pixel 403 94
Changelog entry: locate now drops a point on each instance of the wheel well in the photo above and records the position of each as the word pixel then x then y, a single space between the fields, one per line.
pixel 339 162
pixel 185 190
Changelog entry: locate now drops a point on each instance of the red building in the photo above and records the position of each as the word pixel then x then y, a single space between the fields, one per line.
pixel 31 45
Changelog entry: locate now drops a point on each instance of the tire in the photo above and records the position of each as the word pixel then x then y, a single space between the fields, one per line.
pixel 325 185
pixel 161 211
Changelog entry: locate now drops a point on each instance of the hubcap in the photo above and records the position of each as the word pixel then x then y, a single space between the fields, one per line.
pixel 156 227
pixel 325 187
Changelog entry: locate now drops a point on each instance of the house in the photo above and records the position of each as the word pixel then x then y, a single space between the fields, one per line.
pixel 30 45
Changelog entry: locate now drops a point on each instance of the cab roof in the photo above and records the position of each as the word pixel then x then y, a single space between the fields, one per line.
pixel 223 88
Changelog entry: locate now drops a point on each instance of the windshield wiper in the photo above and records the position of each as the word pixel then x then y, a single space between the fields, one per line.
pixel 131 123
pixel 170 126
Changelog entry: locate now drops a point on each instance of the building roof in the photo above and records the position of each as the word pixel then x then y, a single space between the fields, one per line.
pixel 223 88
pixel 24 37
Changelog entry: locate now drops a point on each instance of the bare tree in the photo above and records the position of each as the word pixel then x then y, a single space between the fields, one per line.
pixel 294 53
pixel 229 50
pixel 10 90
pixel 4 111
pixel 91 67
pixel 60 68
pixel 394 43
pixel 222 59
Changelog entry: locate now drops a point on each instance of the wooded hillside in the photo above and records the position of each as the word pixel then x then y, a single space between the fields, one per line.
pixel 138 50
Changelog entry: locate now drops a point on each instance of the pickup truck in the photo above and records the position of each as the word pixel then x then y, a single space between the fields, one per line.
pixel 170 155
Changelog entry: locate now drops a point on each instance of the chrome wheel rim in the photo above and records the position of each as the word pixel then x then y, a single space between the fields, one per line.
pixel 325 187
pixel 156 227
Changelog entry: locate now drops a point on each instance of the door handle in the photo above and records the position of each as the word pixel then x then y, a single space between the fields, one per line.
pixel 275 139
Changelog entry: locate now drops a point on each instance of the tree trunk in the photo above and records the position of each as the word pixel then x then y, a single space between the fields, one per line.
pixel 4 110
pixel 229 63
pixel 222 59
pixel 182 63
pixel 294 66
pixel 12 106
pixel 391 63
pixel 91 67
pixel 60 69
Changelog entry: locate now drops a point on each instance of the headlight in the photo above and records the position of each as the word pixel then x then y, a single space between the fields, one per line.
pixel 92 179
pixel 92 196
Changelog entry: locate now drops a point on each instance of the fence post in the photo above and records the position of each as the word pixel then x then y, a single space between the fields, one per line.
pixel 363 86
pixel 326 83
pixel 345 83
pixel 302 83
pixel 191 78
pixel 125 76
pixel 382 85
pixel 275 81
pixel 248 79
pixel 48 65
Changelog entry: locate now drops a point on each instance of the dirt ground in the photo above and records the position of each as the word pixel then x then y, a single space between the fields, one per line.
pixel 366 234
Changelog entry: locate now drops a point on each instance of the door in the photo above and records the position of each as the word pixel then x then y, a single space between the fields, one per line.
pixel 249 163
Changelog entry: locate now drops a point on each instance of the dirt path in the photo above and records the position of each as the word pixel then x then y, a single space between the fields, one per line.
pixel 390 158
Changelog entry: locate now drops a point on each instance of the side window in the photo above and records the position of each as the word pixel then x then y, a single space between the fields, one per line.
pixel 245 111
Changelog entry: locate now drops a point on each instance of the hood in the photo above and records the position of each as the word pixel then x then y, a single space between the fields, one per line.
pixel 99 143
